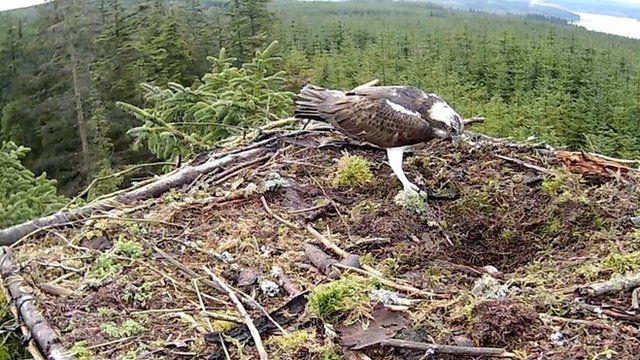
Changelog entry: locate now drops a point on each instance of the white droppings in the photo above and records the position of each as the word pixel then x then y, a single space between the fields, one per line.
pixel 402 109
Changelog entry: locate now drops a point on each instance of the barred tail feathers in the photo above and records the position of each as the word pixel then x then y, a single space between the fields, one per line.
pixel 308 100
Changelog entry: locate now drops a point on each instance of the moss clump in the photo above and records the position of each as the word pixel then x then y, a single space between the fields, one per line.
pixel 344 299
pixel 621 263
pixel 104 267
pixel 128 248
pixel 289 344
pixel 79 351
pixel 128 328
pixel 352 171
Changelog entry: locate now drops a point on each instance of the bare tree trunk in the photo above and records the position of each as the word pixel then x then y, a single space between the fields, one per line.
pixel 82 125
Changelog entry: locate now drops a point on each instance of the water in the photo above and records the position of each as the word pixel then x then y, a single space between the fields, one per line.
pixel 615 25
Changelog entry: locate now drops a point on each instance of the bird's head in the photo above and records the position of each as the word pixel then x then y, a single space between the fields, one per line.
pixel 447 123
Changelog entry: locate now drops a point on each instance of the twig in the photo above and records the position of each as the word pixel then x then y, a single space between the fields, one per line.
pixel 592 324
pixel 225 175
pixel 371 83
pixel 337 250
pixel 275 216
pixel 449 349
pixel 116 174
pixel 247 319
pixel 617 284
pixel 109 343
pixel 634 299
pixel 473 120
pixel 392 284
pixel 527 165
pixel 224 347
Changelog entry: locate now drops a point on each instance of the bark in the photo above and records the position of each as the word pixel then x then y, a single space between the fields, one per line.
pixel 19 294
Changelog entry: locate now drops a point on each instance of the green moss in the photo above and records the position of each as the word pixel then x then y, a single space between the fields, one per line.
pixel 79 351
pixel 128 248
pixel 352 171
pixel 328 352
pixel 290 343
pixel 105 266
pixel 344 299
pixel 139 294
pixel 620 263
pixel 553 226
pixel 128 328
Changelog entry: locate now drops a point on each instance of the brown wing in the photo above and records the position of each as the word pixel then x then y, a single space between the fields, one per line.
pixel 375 121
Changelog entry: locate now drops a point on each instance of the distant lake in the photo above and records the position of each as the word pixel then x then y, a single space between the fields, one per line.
pixel 610 24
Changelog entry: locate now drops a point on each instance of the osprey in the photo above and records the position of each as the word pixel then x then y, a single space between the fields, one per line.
pixel 389 117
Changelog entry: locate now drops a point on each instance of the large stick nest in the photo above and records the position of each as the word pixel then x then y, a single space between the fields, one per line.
pixel 505 246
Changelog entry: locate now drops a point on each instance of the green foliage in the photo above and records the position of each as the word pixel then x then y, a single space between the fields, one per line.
pixel 128 248
pixel 180 121
pixel 79 351
pixel 23 196
pixel 559 83
pixel 104 267
pixel 128 328
pixel 352 171
pixel 292 342
pixel 342 300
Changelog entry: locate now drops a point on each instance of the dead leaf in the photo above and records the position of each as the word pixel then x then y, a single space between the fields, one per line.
pixel 384 325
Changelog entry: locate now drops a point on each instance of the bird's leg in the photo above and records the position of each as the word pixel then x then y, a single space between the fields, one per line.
pixel 395 161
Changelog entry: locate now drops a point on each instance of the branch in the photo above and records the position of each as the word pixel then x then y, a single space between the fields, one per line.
pixel 182 176
pixel 449 349
pixel 19 293
pixel 245 316
pixel 371 83
pixel 114 175
pixel 615 285
pixel 473 120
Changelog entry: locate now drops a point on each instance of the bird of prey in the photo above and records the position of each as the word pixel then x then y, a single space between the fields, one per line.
pixel 389 117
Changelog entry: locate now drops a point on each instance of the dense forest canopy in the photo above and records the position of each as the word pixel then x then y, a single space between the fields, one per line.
pixel 71 75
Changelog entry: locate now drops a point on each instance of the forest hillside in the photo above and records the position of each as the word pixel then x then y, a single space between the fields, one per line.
pixel 102 101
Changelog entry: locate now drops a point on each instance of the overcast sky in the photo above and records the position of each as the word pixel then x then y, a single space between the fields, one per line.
pixel 14 4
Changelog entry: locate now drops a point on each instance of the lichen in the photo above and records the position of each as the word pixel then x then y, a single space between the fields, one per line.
pixel 412 201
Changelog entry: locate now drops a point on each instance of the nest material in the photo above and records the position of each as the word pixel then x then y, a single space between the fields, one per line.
pixel 546 233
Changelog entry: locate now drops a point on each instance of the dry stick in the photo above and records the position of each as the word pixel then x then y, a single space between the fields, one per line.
pixel 392 284
pixel 119 173
pixel 275 216
pixel 449 349
pixel 617 284
pixel 227 174
pixel 341 253
pixel 371 83
pixel 527 165
pixel 247 319
pixel 19 293
pixel 592 324
pixel 212 284
pixel 473 120
pixel 184 175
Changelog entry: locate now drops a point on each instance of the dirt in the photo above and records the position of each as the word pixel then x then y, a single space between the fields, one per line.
pixel 546 235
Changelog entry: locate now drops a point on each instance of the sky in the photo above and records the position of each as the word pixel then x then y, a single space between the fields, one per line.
pixel 14 4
